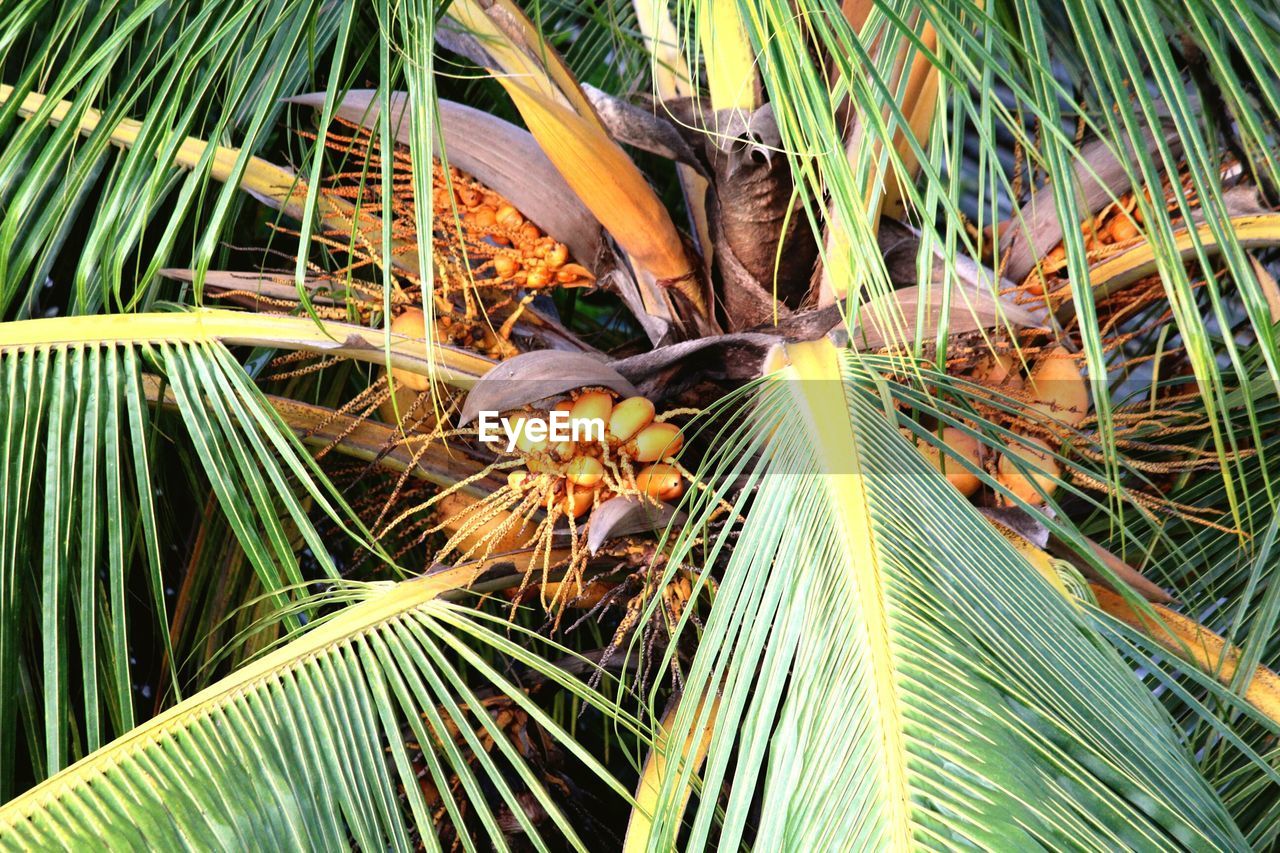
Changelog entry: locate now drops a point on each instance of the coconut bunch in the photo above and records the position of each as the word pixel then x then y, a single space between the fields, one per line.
pixel 551 486
pixel 490 260
pixel 1116 227
pixel 1025 418
pixel 587 472
pixel 1054 401
pixel 636 458
pixel 477 228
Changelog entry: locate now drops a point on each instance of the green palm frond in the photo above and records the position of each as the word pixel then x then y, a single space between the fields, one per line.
pixel 81 482
pixel 978 707
pixel 1011 46
pixel 309 746
pixel 214 71
pixel 877 666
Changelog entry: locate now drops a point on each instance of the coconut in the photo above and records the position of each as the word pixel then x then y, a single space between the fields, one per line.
pixel 585 471
pixel 1037 457
pixel 424 416
pixel 1058 388
pixel 1000 369
pixel 629 417
pixel 960 445
pixel 660 482
pixel 656 441
pixel 412 324
pixel 592 406
pixel 577 501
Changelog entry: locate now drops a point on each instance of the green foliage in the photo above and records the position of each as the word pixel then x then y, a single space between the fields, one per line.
pixel 82 547
pixel 889 668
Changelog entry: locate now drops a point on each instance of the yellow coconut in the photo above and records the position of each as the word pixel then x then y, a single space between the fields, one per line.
pixel 412 324
pixel 656 441
pixel 661 482
pixel 629 417
pixel 960 445
pixel 1042 470
pixel 1058 387
pixel 585 471
pixel 591 406
pixel 423 418
pixel 1123 229
pixel 577 501
pixel 1000 369
pixel 458 507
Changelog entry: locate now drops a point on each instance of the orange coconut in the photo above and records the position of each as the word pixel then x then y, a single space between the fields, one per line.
pixel 1058 387
pixel 412 324
pixel 657 441
pixel 661 482
pixel 1042 472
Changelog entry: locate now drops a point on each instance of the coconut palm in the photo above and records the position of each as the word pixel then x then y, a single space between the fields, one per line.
pixel 938 348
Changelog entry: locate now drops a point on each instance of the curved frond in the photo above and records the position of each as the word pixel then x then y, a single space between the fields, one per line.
pixel 978 706
pixel 457 367
pixel 309 747
pixel 81 504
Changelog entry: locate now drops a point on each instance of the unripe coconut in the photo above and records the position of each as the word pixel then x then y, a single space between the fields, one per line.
pixel 1058 387
pixel 657 441
pixel 585 471
pixel 960 445
pixel 660 482
pixel 629 417
pixel 1036 456
pixel 412 324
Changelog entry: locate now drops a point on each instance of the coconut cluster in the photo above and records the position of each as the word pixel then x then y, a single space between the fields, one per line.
pixel 1113 229
pixel 521 254
pixel 493 235
pixel 1057 394
pixel 634 458
pixel 488 259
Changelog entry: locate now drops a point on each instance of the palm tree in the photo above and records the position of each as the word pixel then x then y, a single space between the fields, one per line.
pixel 962 313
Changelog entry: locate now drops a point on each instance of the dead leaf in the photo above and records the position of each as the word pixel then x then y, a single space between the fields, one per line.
pixel 622 516
pixel 534 376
